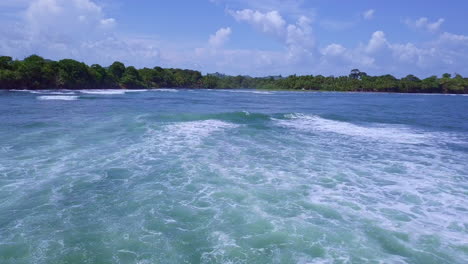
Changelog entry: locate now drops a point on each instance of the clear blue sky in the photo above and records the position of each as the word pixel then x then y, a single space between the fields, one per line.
pixel 262 37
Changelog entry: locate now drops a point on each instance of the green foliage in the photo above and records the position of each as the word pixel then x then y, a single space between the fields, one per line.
pixel 131 78
pixel 34 72
pixel 100 77
pixel 116 70
pixel 73 75
pixel 6 63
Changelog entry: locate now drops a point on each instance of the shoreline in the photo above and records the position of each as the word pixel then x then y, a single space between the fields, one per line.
pixel 226 89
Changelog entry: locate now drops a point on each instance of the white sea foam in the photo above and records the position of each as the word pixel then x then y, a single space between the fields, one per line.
pixel 259 92
pixel 103 92
pixel 56 92
pixel 164 90
pixel 58 97
pixel 60 93
pixel 24 91
pixel 16 90
pixel 246 91
pixel 29 91
pixel 256 195
pixel 192 132
pixel 136 91
pixel 398 134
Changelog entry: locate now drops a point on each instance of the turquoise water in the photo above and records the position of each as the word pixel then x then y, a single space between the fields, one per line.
pixel 199 176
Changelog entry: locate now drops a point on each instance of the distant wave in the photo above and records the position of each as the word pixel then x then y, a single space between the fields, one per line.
pixel 58 97
pixel 103 92
pixel 204 127
pixel 136 91
pixel 388 133
pixel 57 92
pixel 178 136
pixel 22 91
pixel 164 90
pixel 63 93
pixel 243 117
pixel 246 91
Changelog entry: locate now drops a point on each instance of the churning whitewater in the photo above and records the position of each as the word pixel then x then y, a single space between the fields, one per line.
pixel 239 176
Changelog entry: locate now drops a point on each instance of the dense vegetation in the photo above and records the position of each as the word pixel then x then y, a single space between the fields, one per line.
pixel 35 72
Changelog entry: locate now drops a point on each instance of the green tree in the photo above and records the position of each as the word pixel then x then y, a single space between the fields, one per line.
pixel 355 74
pixel 73 75
pixel 131 78
pixel 35 72
pixel 116 70
pixel 6 63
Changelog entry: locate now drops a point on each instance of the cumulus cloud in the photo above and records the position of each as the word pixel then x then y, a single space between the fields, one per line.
pixel 377 55
pixel 297 38
pixel 220 37
pixel 423 23
pixel 377 42
pixel 333 50
pixel 369 14
pixel 80 29
pixel 270 22
pixel 77 29
pixel 291 7
pixel 446 53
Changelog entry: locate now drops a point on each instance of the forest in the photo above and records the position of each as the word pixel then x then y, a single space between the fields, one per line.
pixel 36 73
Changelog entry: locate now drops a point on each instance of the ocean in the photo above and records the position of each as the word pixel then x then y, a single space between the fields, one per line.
pixel 232 176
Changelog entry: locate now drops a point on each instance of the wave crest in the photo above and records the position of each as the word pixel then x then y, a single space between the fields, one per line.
pixel 382 132
pixel 58 97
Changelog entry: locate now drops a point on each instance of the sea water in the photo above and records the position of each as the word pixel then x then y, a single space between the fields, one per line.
pixel 232 176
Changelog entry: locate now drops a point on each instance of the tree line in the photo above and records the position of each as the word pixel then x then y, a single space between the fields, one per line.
pixel 35 72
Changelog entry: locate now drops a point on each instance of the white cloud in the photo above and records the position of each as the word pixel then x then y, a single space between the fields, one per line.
pixel 377 42
pixel 454 38
pixel 80 29
pixel 424 24
pixel 108 22
pixel 77 29
pixel 78 19
pixel 369 14
pixel 297 38
pixel 270 22
pixel 333 50
pixel 447 53
pixel 294 8
pixel 220 37
pixel 301 55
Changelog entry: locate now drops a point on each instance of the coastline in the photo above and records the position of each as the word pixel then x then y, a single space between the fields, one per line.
pixel 37 73
pixel 226 89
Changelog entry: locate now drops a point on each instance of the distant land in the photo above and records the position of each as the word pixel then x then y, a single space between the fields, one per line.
pixel 37 73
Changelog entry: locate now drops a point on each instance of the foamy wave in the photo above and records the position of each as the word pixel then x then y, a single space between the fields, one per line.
pixel 136 91
pixel 15 90
pixel 103 92
pixel 58 97
pixel 259 92
pixel 176 137
pixel 164 90
pixel 61 93
pixel 199 128
pixel 315 123
pixel 27 91
pixel 57 92
pixel 245 91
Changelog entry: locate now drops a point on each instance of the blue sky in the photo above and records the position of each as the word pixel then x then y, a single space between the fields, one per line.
pixel 248 37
